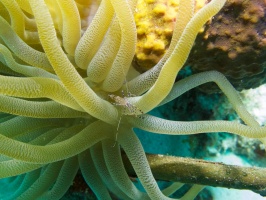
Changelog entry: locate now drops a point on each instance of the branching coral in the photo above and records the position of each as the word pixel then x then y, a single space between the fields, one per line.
pixel 55 87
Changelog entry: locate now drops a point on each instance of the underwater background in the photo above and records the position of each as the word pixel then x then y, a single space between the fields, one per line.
pixel 232 42
pixel 218 147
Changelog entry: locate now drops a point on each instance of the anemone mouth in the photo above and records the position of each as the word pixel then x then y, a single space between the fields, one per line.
pixel 69 97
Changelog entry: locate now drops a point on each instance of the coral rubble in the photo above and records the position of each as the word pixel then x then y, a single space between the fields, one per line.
pixel 234 43
pixel 155 21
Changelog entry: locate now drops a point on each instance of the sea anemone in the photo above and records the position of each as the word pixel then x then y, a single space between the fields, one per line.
pixel 70 99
